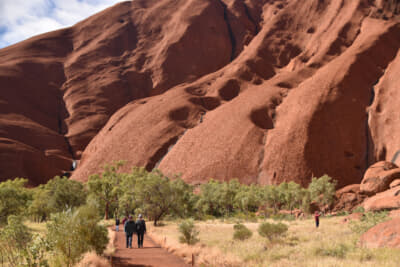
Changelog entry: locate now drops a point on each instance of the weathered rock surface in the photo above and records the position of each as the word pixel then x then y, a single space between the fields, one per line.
pixel 59 89
pixel 378 177
pixel 348 197
pixel 394 183
pixel 394 214
pixel 387 200
pixel 264 91
pixel 386 234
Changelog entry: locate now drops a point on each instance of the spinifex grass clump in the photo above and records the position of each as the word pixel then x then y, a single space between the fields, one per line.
pixel 241 232
pixel 272 231
pixel 189 232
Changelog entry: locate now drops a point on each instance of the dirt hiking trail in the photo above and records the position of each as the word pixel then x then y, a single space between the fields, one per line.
pixel 151 255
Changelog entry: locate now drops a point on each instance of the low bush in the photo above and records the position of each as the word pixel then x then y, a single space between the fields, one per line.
pixel 359 209
pixel 336 251
pixel 241 232
pixel 189 232
pixel 73 233
pixel 19 247
pixel 272 231
pixel 14 198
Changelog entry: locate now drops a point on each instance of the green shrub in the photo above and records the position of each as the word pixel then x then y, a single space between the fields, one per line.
pixel 73 233
pixel 159 195
pixel 359 209
pixel 337 251
pixel 322 190
pixel 12 240
pixel 58 194
pixel 18 247
pixel 241 232
pixel 189 232
pixel 14 198
pixel 369 220
pixel 272 231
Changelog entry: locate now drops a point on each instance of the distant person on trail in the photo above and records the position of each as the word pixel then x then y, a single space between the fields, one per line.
pixel 140 230
pixel 316 216
pixel 130 229
pixel 117 224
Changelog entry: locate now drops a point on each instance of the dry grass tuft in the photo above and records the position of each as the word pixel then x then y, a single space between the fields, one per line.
pixel 110 249
pixel 91 259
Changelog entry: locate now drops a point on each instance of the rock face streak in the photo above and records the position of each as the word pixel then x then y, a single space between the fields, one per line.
pixel 260 90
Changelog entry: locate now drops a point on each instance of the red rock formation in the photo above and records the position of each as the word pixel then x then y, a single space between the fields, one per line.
pixel 394 183
pixel 386 234
pixel 378 177
pixel 348 197
pixel 264 91
pixel 386 200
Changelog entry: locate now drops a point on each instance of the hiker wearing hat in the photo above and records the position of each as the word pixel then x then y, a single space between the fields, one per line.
pixel 140 230
pixel 130 229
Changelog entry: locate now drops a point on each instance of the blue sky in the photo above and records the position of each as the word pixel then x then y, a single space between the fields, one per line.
pixel 21 19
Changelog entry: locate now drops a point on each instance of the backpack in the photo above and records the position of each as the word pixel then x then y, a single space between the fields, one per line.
pixel 139 226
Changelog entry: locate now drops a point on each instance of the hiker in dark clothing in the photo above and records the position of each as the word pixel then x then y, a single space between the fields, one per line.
pixel 316 216
pixel 130 229
pixel 140 230
pixel 117 224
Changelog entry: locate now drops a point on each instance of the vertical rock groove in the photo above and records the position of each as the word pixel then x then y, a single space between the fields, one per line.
pixel 229 27
pixel 250 17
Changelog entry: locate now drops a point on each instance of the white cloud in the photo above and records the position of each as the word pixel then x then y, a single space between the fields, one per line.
pixel 21 19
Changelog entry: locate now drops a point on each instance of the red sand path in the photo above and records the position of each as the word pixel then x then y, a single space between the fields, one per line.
pixel 151 255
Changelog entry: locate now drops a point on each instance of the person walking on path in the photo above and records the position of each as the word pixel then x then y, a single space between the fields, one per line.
pixel 130 229
pixel 117 224
pixel 316 216
pixel 140 230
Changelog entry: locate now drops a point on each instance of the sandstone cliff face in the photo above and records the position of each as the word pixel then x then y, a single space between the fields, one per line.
pixel 264 91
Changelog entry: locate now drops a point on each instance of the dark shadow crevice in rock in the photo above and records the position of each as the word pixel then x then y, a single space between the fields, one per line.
pixel 159 155
pixel 230 90
pixel 179 114
pixel 261 118
pixel 250 17
pixel 207 102
pixel 229 28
